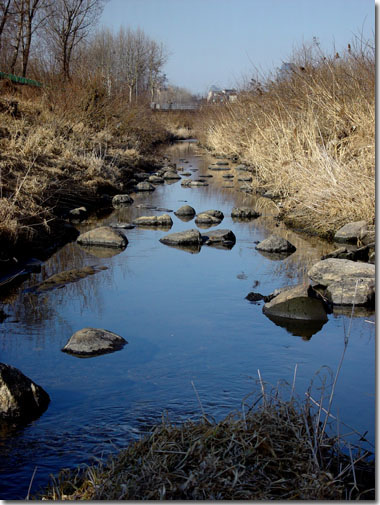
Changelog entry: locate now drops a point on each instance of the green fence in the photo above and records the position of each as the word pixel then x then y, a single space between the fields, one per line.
pixel 20 80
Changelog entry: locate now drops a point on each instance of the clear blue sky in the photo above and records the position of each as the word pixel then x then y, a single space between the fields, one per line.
pixel 222 41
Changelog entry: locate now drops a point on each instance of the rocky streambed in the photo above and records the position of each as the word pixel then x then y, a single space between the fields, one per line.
pixel 191 280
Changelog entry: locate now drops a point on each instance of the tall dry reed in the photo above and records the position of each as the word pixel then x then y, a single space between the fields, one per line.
pixel 309 136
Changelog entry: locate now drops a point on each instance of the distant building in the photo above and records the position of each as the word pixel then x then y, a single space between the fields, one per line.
pixel 216 95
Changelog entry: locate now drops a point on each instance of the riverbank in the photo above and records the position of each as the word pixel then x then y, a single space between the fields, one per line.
pixel 276 450
pixel 64 150
pixel 307 136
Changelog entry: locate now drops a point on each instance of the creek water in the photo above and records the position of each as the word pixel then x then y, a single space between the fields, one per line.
pixel 188 327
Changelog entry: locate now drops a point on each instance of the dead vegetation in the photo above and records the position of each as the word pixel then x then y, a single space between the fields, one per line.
pixel 64 146
pixel 309 136
pixel 274 450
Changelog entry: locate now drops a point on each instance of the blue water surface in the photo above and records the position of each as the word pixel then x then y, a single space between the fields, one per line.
pixel 194 342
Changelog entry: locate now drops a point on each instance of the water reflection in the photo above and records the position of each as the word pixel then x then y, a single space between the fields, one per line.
pixel 298 327
pixel 274 256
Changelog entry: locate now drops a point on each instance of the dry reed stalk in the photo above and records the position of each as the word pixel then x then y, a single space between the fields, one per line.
pixel 309 137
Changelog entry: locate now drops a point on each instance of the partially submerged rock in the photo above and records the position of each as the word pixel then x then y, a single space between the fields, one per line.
pixel 275 244
pixel 120 200
pixel 171 175
pixel 223 238
pixel 350 232
pixel 219 168
pixel 185 210
pixel 257 297
pixel 215 213
pixel 244 213
pixel 144 186
pixel 354 254
pixel 67 277
pixel 198 183
pixel 93 342
pixel 156 179
pixel 206 219
pixel 188 237
pixel 298 302
pixel 105 236
pixel 163 220
pixel 123 226
pixel 21 399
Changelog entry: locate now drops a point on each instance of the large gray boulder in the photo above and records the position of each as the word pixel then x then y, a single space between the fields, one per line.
pixel 189 237
pixel 163 220
pixel 20 398
pixel 275 244
pixel 299 302
pixel 244 213
pixel 350 232
pixel 325 272
pixel 93 342
pixel 120 200
pixel 185 210
pixel 105 236
pixel 347 282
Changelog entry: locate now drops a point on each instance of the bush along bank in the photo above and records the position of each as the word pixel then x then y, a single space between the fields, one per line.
pixel 308 137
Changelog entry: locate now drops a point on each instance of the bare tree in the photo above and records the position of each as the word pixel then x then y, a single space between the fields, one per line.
pixel 4 15
pixel 68 24
pixel 126 60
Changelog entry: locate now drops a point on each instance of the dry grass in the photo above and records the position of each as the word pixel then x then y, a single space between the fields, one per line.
pixel 275 450
pixel 310 138
pixel 66 144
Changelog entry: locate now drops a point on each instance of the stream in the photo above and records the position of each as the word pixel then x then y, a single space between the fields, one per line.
pixel 189 328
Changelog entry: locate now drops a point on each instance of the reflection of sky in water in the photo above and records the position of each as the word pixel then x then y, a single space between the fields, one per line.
pixel 185 318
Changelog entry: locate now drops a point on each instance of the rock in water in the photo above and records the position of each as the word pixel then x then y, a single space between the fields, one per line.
pixel 244 213
pixel 275 244
pixel 120 200
pixel 298 302
pixel 225 238
pixel 347 282
pixel 189 237
pixel 93 341
pixel 185 210
pixel 144 186
pixel 20 398
pixel 163 220
pixel 350 232
pixel 105 236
